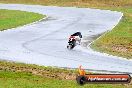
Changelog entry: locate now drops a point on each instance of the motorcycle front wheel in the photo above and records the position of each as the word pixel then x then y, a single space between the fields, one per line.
pixel 69 47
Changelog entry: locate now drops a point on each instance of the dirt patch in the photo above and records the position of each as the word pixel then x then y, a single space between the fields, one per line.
pixel 43 72
pixel 122 48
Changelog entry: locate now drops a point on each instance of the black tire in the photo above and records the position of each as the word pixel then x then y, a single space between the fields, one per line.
pixel 74 44
pixel 81 80
pixel 71 44
pixel 69 47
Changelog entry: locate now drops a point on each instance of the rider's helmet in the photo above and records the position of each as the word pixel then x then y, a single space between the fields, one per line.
pixel 79 34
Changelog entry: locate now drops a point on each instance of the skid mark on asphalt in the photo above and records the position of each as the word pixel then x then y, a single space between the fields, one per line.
pixel 44 36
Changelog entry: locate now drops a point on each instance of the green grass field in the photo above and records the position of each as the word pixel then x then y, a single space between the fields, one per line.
pixel 18 75
pixel 14 18
pixel 27 80
pixel 78 3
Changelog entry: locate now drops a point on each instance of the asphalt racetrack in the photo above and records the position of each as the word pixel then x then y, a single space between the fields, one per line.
pixel 44 42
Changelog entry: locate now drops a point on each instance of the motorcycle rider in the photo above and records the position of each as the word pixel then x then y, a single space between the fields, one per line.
pixel 77 36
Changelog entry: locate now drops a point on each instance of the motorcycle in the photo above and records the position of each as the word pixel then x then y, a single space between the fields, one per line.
pixel 71 43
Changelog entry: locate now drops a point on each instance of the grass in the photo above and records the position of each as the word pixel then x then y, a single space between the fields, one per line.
pixel 15 18
pixel 43 71
pixel 27 80
pixel 19 75
pixel 116 42
pixel 86 3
